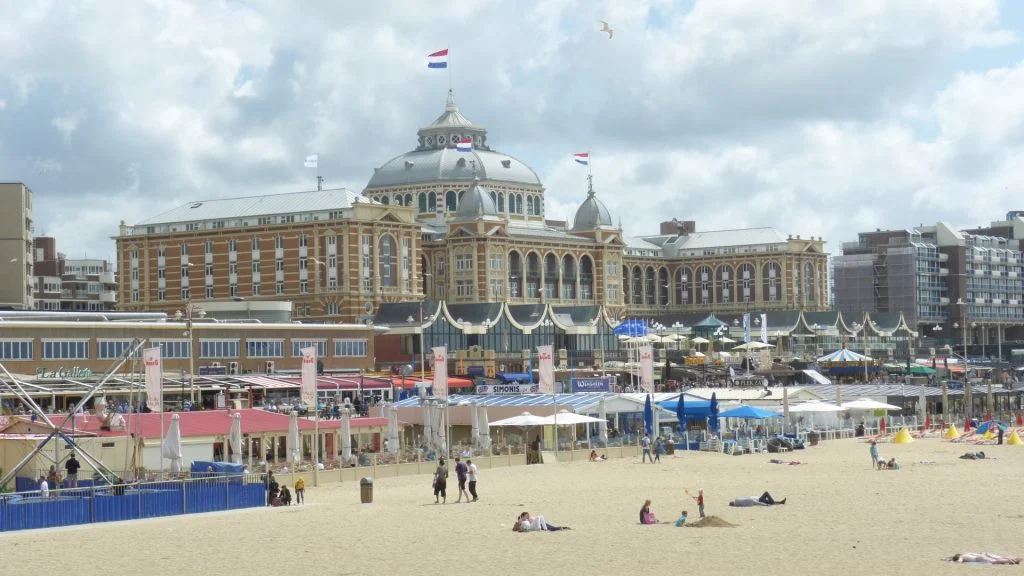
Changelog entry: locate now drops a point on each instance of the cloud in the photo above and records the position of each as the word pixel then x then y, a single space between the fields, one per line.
pixel 813 117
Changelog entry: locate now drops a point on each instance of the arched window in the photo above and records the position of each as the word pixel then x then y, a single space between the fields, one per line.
pixel 529 205
pixel 450 203
pixel 551 276
pixel 771 282
pixel 745 277
pixel 385 200
pixel 462 194
pixel 432 202
pixel 515 274
pixel 810 292
pixel 408 200
pixel 650 287
pixel 586 278
pixel 532 274
pixel 626 286
pixel 501 201
pixel 704 287
pixel 725 283
pixel 386 256
pixel 424 279
pixel 494 198
pixel 519 204
pixel 568 277
pixel 684 286
pixel 663 287
pixel 638 285
pixel 398 199
pixel 423 202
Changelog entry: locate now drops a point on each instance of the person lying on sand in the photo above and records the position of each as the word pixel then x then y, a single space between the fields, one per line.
pixel 764 500
pixel 982 558
pixel 536 524
pixel 973 456
pixel 791 462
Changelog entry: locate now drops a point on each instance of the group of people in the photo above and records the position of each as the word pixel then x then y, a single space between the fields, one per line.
pixel 278 495
pixel 645 445
pixel 465 473
pixel 879 463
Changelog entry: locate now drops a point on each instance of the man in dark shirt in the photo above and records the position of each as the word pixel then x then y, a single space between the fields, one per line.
pixel 460 472
pixel 72 467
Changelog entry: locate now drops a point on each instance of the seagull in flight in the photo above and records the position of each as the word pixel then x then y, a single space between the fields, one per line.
pixel 606 28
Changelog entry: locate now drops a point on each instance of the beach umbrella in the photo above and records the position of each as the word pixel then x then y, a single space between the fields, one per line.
pixel 346 435
pixel 294 448
pixel 869 404
pixel 440 429
pixel 785 406
pixel 428 425
pixel 918 370
pixel 474 419
pixel 485 429
pixel 235 438
pixel 655 420
pixel 815 406
pixel 714 413
pixel 524 420
pixel 394 439
pixel 602 426
pixel 566 418
pixel 984 427
pixel 749 412
pixel 648 415
pixel 839 395
pixel 700 340
pixel 681 414
pixel 172 444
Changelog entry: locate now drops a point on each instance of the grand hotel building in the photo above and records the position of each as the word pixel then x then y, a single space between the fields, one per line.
pixel 459 227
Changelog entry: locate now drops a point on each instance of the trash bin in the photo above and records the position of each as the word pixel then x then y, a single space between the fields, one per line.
pixel 366 490
pixel 813 438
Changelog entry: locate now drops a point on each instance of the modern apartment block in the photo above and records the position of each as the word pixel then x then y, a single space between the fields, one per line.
pixel 71 285
pixel 15 246
pixel 948 283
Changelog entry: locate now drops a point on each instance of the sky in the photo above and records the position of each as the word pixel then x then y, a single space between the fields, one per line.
pixel 819 118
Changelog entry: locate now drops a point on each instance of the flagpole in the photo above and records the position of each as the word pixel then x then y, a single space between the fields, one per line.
pixel 449 66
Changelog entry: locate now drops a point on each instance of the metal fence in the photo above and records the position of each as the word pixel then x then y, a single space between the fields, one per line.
pixel 105 503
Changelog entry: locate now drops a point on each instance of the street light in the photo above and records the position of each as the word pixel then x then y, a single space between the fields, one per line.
pixel 191 311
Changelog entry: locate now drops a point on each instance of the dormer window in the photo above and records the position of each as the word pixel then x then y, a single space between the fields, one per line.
pixel 506 163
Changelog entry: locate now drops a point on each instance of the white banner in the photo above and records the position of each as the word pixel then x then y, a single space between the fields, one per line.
pixel 312 160
pixel 546 368
pixel 154 379
pixel 764 328
pixel 646 369
pixel 308 392
pixel 441 372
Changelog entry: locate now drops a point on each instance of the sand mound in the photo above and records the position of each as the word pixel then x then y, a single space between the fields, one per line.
pixel 710 522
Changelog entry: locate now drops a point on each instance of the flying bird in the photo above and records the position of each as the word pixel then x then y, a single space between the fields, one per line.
pixel 606 28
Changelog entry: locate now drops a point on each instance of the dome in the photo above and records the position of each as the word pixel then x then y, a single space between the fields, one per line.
pixel 436 158
pixel 476 204
pixel 592 213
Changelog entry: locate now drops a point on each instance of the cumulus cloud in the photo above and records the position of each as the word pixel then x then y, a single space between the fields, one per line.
pixel 814 117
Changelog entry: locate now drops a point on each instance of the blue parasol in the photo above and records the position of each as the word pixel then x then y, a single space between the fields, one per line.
pixel 984 426
pixel 714 414
pixel 681 414
pixel 749 412
pixel 648 416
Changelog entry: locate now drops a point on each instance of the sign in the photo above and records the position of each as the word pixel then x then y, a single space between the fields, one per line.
pixel 308 388
pixel 213 370
pixel 596 384
pixel 546 368
pixel 475 370
pixel 489 389
pixel 62 372
pixel 694 361
pixel 154 379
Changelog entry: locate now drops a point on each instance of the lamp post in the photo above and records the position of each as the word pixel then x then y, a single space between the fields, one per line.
pixel 191 311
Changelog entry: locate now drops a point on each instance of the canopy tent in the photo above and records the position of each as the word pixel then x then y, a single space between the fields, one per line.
pixel 692 409
pixel 845 355
pixel 918 370
pixel 869 404
pixel 749 412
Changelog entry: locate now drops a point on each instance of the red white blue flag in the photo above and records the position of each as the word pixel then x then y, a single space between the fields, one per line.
pixel 464 145
pixel 438 59
pixel 582 158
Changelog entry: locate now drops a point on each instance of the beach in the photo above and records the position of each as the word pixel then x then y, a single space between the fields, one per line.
pixel 841 517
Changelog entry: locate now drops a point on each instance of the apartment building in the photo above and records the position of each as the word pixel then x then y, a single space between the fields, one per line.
pixel 15 246
pixel 71 285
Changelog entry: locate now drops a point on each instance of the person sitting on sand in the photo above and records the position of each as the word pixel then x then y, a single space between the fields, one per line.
pixel 982 558
pixel 892 465
pixel 681 520
pixel 646 516
pixel 764 500
pixel 286 496
pixel 537 524
pixel 593 455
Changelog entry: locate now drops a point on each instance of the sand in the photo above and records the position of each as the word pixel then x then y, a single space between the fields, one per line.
pixel 842 517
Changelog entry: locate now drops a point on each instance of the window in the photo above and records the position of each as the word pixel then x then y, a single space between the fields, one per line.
pixel 135 274
pixel 209 269
pixel 135 253
pixel 256 266
pixel 288 219
pixel 335 215
pixel 209 292
pixel 350 348
pixel 161 251
pixel 218 349
pixel 65 349
pixel 184 249
pixel 264 348
pixel 497 288
pixel 232 245
pixel 367 262
pixel 303 286
pixel 173 348
pixel 279 288
pixel 218 224
pixel 265 220
pixel 161 272
pixel 333 309
pixel 161 294
pixel 255 288
pixel 135 295
pixel 496 262
pixel 184 293
pixel 232 290
pixel 303 241
pixel 464 288
pixel 303 263
pixel 406 248
pixel 386 259
pixel 184 271
pixel 440 265
pixel 463 261
pixel 111 349
pixel 279 242
pixel 232 268
pixel 298 345
pixel 279 265
pixel 16 350
pixel 209 246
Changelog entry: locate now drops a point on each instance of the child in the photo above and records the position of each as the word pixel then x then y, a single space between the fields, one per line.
pixel 681 520
pixel 300 490
pixel 646 516
pixel 700 502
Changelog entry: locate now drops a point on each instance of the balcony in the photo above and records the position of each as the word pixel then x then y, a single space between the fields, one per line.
pixel 943 271
pixel 943 300
pixel 108 278
pixel 108 297
pixel 943 257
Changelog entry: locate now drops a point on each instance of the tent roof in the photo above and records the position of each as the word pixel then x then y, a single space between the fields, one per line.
pixel 844 355
pixel 748 412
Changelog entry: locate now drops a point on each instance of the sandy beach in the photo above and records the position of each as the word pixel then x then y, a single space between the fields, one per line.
pixel 842 517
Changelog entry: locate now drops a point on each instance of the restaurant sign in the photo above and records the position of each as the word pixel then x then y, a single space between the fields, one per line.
pixel 597 384
pixel 63 372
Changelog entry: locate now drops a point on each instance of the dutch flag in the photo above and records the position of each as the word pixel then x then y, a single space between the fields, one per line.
pixel 438 59
pixel 464 145
pixel 582 158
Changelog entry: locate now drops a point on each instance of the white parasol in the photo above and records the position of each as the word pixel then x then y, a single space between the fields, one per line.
pixel 566 418
pixel 294 448
pixel 869 404
pixel 346 435
pixel 602 427
pixel 485 429
pixel 474 418
pixel 172 444
pixel 235 438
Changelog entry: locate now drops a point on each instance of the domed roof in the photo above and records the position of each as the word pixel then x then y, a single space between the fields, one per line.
pixel 592 213
pixel 436 158
pixel 476 204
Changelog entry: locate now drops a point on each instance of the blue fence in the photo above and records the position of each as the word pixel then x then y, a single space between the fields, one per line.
pixel 66 507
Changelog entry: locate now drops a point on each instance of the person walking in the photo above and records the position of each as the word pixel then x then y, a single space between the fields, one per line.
pixel 44 487
pixel 441 482
pixel 72 466
pixel 472 479
pixel 659 447
pixel 460 474
pixel 645 445
pixel 300 490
